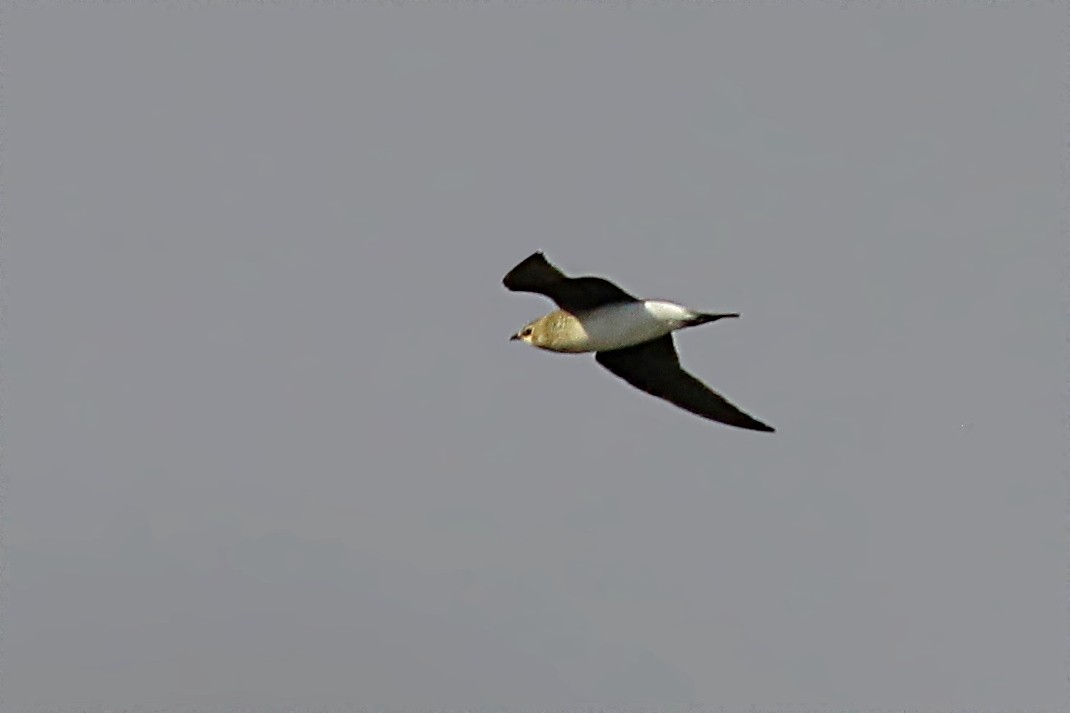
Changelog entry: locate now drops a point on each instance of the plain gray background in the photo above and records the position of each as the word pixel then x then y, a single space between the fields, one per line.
pixel 267 443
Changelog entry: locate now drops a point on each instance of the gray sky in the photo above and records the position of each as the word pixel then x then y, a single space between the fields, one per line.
pixel 266 441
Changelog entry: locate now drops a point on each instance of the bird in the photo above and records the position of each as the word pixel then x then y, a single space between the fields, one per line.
pixel 630 337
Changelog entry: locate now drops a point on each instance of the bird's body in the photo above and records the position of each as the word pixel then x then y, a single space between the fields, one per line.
pixel 612 326
pixel 630 337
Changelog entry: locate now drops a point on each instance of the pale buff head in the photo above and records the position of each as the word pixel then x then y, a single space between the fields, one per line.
pixel 558 331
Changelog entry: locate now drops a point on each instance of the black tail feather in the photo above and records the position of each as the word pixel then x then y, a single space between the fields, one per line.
pixel 703 318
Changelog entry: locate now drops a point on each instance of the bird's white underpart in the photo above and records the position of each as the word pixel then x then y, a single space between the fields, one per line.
pixel 626 324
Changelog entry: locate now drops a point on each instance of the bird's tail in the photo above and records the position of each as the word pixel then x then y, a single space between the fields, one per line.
pixel 704 317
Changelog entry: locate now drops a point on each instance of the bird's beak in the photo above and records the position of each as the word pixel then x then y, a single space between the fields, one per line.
pixel 514 337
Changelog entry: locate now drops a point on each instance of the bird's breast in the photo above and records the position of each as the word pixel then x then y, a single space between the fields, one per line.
pixel 622 325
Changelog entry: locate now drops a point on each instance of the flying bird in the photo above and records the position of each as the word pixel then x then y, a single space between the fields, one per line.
pixel 629 336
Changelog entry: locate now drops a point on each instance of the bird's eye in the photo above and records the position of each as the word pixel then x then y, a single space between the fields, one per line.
pixel 526 332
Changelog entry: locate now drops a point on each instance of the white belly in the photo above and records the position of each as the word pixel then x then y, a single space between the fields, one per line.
pixel 624 325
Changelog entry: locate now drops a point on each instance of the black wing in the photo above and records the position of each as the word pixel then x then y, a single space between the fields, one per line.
pixel 536 274
pixel 654 367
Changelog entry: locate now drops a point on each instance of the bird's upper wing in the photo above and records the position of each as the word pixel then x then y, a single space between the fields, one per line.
pixel 536 274
pixel 655 368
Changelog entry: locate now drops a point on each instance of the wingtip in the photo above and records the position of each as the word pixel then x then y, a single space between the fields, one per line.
pixel 756 425
pixel 531 274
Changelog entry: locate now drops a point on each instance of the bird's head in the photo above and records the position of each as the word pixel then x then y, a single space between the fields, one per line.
pixel 558 331
pixel 527 334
